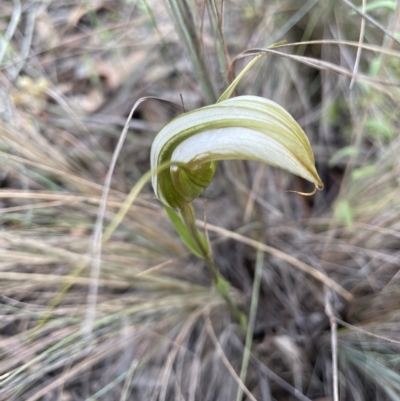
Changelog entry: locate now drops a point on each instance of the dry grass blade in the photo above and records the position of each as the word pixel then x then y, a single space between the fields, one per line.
pixel 335 373
pixel 371 20
pixel 363 46
pixel 358 57
pixel 252 321
pixel 368 333
pixel 224 359
pixel 78 369
pixel 53 170
pixel 185 24
pixel 291 390
pixel 318 64
pixel 98 228
pixel 12 26
pixel 96 245
pixel 282 255
pixel 53 279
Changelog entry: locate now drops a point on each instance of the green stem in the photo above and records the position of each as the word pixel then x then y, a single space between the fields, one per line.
pixel 252 319
pixel 221 284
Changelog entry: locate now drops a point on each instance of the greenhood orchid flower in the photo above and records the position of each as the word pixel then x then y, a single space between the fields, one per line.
pixel 244 127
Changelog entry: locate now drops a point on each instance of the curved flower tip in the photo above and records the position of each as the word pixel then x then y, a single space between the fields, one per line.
pixel 313 192
pixel 245 127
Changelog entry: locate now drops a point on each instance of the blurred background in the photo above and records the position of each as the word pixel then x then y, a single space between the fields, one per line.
pixel 147 324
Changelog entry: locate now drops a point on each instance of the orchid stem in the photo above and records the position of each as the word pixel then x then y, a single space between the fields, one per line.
pixel 221 284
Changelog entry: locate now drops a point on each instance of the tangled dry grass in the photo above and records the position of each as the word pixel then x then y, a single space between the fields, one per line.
pixel 155 330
